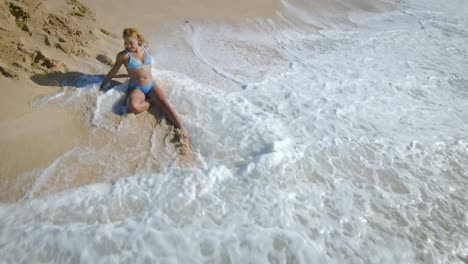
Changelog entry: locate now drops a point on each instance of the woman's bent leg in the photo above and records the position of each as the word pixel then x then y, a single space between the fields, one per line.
pixel 158 98
pixel 137 103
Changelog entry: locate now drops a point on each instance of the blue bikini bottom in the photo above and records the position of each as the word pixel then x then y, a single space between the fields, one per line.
pixel 144 89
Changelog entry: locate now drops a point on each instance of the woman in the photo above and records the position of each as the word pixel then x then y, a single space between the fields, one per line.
pixel 142 86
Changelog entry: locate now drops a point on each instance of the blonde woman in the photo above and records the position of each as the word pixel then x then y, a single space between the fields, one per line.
pixel 142 86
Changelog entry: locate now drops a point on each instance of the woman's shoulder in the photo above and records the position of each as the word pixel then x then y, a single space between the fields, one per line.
pixel 122 53
pixel 146 47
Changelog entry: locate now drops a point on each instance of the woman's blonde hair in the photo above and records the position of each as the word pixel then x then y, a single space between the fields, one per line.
pixel 133 32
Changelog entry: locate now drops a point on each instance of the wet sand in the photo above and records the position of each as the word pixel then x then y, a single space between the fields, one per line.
pixel 31 138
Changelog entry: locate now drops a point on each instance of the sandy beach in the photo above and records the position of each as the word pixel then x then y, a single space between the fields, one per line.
pixel 49 43
pixel 62 37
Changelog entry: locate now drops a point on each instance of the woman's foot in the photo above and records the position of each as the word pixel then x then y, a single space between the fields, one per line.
pixel 184 144
pixel 182 141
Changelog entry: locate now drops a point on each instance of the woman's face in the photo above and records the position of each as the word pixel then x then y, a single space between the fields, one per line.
pixel 131 44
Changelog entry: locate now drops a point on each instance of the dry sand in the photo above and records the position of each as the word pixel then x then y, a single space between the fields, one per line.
pixel 43 42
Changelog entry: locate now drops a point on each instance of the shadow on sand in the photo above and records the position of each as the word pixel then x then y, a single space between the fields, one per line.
pixel 74 79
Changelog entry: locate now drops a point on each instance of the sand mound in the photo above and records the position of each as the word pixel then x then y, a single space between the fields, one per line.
pixel 35 35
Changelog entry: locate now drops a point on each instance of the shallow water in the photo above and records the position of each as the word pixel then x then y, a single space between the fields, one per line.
pixel 338 145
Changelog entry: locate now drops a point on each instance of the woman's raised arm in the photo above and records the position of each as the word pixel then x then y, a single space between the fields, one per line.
pixel 118 63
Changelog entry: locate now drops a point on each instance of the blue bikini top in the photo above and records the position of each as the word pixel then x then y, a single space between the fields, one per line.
pixel 132 63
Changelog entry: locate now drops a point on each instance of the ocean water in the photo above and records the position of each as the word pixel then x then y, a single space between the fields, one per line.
pixel 313 141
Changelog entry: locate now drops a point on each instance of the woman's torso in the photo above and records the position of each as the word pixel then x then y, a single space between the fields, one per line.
pixel 139 67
